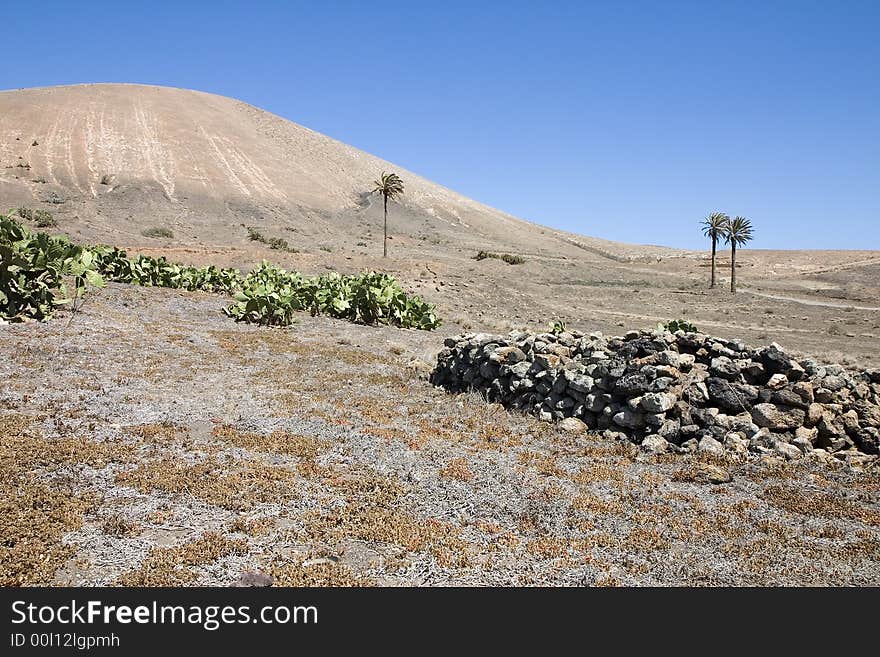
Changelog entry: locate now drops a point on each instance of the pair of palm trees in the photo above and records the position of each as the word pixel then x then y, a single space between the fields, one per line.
pixel 736 232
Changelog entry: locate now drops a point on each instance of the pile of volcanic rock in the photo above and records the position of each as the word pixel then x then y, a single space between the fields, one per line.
pixel 674 392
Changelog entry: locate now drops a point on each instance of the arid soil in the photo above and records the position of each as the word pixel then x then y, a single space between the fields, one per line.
pixel 151 440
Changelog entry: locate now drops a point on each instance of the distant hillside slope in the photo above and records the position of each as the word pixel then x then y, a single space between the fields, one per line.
pixel 124 157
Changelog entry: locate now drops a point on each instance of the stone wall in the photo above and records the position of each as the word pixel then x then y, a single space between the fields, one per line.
pixel 677 392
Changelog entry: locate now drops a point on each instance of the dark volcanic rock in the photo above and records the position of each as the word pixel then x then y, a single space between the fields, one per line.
pixel 688 389
pixel 736 397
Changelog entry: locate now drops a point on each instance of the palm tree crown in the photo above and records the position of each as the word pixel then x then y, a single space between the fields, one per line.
pixel 388 185
pixel 738 231
pixel 714 225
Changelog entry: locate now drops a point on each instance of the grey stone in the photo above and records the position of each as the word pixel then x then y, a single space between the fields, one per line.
pixel 655 444
pixel 810 434
pixel 805 390
pixel 814 414
pixel 737 443
pixel 253 578
pixel 788 451
pixel 629 418
pixel 631 384
pixel 582 383
pixel 657 402
pixel 868 439
pixel 520 369
pixel 572 425
pixel 669 357
pixel 833 383
pixel 777 381
pixel 706 473
pixel 654 421
pixel 723 367
pixel 736 397
pixel 507 355
pixel 788 398
pixel 777 417
pixel 595 402
pixel 775 359
pixel 669 430
pixel 690 446
pixel 803 444
pixel 710 446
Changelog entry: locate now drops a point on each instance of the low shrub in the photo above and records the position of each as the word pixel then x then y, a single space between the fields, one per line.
pixel 158 232
pixel 276 243
pixel 35 269
pixel 42 218
pixel 270 295
pixel 509 258
pixel 674 325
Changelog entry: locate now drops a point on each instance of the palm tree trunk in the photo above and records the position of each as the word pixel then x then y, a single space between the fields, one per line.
pixel 733 267
pixel 385 240
pixel 714 240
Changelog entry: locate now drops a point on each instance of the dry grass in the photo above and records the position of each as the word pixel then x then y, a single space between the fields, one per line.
pixel 277 442
pixel 457 469
pixel 599 471
pixel 323 574
pixel 119 526
pixel 236 489
pixel 171 566
pixel 252 526
pixel 36 511
pixel 819 504
pixel 33 519
pixel 373 523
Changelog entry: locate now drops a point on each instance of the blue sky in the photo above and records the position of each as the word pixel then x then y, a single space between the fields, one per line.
pixel 624 120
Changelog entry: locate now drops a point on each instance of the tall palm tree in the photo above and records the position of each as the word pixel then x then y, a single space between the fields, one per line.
pixel 737 233
pixel 713 228
pixel 390 186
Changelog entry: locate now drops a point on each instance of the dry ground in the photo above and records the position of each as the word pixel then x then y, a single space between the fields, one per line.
pixel 151 440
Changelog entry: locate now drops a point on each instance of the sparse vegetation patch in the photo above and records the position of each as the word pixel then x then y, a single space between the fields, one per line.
pixel 276 243
pixel 159 232
pixel 509 258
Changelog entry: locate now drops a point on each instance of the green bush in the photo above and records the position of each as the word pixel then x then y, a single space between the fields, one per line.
pixel 35 270
pixel 147 271
pixel 158 232
pixel 270 295
pixel 557 327
pixel 509 258
pixel 42 218
pixel 674 325
pixel 276 243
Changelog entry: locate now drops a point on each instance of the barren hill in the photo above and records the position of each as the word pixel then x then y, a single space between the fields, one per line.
pixel 126 157
pixel 112 161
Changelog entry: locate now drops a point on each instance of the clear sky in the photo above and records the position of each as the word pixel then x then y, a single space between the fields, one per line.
pixel 624 120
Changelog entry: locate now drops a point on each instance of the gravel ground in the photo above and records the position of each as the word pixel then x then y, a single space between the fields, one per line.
pixel 150 440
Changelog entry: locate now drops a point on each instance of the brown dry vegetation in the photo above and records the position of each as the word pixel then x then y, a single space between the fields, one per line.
pixel 285 459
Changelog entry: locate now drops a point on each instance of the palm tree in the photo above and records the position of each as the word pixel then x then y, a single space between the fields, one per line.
pixel 736 233
pixel 713 228
pixel 390 186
